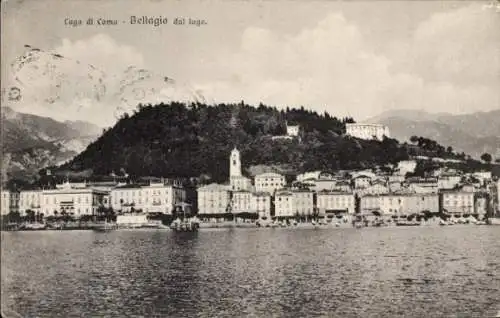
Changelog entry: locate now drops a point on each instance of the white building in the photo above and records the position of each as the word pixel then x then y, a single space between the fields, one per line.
pixel 5 202
pixel 241 202
pixel 213 199
pixel 405 166
pixel 498 195
pixel 483 176
pixel 30 200
pixel 362 181
pixel 310 175
pixel 76 201
pixel 448 180
pixel 377 187
pixel 240 183
pixel 245 201
pixel 391 204
pixel 457 201
pixel 331 201
pixel 369 204
pixel 367 131
pixel 283 204
pixel 303 202
pixel 261 204
pixel 155 197
pixel 269 182
pixel 292 130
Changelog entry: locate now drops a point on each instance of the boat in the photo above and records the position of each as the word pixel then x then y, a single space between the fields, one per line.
pixel 35 226
pixel 493 221
pixel 137 221
pixel 275 224
pixel 407 223
pixel 185 220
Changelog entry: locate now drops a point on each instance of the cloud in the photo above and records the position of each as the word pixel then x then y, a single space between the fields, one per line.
pixel 461 46
pixel 451 63
pixel 103 52
pixel 327 65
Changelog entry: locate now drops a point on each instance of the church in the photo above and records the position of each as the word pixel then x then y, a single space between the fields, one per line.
pixel 238 182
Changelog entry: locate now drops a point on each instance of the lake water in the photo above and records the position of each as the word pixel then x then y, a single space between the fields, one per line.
pixel 371 272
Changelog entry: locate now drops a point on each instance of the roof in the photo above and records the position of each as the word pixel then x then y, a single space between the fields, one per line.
pixel 362 124
pixel 269 175
pixel 333 192
pixel 283 193
pixel 213 187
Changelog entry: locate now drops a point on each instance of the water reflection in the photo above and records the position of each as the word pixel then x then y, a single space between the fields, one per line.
pixel 341 273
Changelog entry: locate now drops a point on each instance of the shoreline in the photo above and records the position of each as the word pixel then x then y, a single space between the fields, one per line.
pixel 205 226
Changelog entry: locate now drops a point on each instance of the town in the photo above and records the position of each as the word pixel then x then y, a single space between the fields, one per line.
pixel 368 197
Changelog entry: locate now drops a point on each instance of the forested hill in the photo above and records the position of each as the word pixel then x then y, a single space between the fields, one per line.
pixel 195 140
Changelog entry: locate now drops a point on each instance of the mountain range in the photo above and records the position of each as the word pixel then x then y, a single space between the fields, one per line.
pixel 31 142
pixel 474 134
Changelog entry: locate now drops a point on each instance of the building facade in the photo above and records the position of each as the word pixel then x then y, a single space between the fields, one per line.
pixel 241 202
pixel 369 204
pixel 303 202
pixel 5 202
pixel 457 202
pixel 448 181
pixel 367 131
pixel 361 181
pixel 213 199
pixel 261 204
pixel 30 200
pixel 283 203
pixel 269 182
pixel 75 201
pixel 292 130
pixel 245 201
pixel 153 198
pixel 331 201
pixel 240 183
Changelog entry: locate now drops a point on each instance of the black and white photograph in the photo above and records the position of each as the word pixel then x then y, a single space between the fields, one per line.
pixel 231 158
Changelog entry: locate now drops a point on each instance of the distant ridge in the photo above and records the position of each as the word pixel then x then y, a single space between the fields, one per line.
pixel 473 134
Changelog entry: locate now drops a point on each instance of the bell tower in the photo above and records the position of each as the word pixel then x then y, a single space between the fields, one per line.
pixel 235 164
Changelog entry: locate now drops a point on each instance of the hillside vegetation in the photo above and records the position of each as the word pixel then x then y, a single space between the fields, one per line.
pixel 178 140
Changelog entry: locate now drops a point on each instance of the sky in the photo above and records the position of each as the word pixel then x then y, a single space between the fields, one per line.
pixel 350 58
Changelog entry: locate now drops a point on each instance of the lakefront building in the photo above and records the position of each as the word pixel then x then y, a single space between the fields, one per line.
pixel 283 203
pixel 367 131
pixel 248 202
pixel 157 197
pixel 30 200
pixel 214 199
pixel 303 202
pixel 71 200
pixel 261 204
pixel 241 202
pixel 5 202
pixel 457 201
pixel 335 202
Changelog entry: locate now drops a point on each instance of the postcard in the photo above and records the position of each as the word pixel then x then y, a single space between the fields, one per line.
pixel 250 158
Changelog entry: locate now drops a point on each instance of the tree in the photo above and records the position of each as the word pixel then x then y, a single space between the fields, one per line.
pixel 486 157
